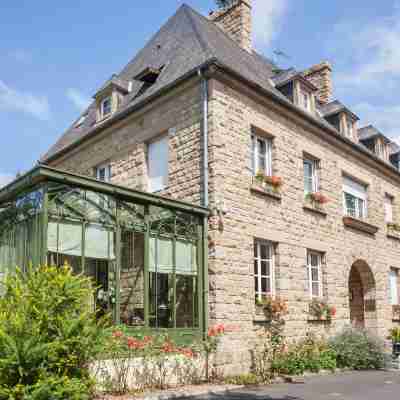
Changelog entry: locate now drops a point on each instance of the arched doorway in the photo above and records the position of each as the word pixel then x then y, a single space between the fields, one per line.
pixel 362 296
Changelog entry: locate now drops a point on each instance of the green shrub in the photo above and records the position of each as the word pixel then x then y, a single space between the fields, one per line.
pixel 359 350
pixel 48 334
pixel 244 379
pixel 310 354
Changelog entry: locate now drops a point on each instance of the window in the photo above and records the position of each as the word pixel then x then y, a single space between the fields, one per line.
pixel 354 198
pixel 103 173
pixel 105 107
pixel 158 164
pixel 349 127
pixel 311 179
pixel 263 269
pixel 394 286
pixel 305 100
pixel 388 203
pixel 261 155
pixel 314 262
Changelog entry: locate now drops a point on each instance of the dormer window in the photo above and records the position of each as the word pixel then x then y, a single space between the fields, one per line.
pixel 305 100
pixel 349 127
pixel 106 107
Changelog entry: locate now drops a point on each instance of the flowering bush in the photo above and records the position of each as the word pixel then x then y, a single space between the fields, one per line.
pixel 140 362
pixel 319 309
pixel 210 346
pixel 318 197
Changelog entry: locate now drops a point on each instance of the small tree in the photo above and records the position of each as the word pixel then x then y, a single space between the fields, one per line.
pixel 225 3
pixel 48 335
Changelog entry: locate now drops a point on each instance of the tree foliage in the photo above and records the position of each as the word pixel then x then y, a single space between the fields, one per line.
pixel 48 335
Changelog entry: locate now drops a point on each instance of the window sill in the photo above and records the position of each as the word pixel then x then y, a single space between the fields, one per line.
pixel 314 207
pixel 360 225
pixel 316 320
pixel 266 191
pixel 261 319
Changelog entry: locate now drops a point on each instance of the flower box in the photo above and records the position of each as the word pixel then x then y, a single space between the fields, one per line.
pixel 360 225
pixel 264 187
pixel 393 231
pixel 396 312
pixel 320 311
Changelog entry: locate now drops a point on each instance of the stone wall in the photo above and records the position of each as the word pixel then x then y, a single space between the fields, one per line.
pixel 244 214
pixel 288 222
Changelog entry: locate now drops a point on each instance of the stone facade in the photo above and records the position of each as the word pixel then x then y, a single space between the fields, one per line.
pixel 286 220
pixel 320 76
pixel 357 257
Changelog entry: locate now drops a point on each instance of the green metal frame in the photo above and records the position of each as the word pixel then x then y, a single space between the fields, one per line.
pixel 43 177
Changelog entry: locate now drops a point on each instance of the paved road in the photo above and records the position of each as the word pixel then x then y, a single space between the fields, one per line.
pixel 382 385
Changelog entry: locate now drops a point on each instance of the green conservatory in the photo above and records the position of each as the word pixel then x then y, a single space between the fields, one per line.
pixel 147 255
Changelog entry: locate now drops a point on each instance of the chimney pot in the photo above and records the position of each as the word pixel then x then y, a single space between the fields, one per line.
pixel 236 21
pixel 320 75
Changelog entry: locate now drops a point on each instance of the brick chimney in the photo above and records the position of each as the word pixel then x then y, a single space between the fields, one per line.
pixel 235 20
pixel 320 75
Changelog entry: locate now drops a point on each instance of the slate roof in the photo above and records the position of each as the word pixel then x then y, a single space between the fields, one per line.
pixel 370 132
pixel 334 107
pixel 186 41
pixel 115 81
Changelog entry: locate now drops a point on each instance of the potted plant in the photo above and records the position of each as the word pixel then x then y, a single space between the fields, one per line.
pixel 274 181
pixel 273 308
pixel 321 311
pixel 317 197
pixel 395 337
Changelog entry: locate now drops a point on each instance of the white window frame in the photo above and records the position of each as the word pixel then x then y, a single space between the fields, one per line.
pixel 394 287
pixel 359 193
pixel 388 206
pixel 258 243
pixel 153 186
pixel 310 268
pixel 349 127
pixel 314 174
pixel 305 99
pixel 105 100
pixel 255 157
pixel 106 167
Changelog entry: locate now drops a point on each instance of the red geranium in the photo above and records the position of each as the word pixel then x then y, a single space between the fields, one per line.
pixel 117 334
pixel 275 181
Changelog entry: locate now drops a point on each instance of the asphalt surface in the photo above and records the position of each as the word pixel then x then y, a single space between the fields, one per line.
pixel 370 385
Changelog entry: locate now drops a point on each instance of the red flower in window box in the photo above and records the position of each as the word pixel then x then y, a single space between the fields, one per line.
pixel 318 197
pixel 274 181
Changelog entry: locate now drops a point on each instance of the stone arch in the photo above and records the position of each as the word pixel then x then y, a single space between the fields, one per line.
pixel 362 296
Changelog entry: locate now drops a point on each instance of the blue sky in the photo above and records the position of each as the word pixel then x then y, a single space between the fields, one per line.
pixel 54 55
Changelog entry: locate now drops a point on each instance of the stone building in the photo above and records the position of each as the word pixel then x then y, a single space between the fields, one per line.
pixel 305 203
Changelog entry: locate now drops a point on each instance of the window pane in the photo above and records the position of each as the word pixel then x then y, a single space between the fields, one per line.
pixel 314 274
pixel 265 269
pixel 255 267
pixel 158 164
pixel 314 259
pixel 350 205
pixel 264 251
pixel 256 284
pixel 264 285
pixel 360 208
pixel 315 289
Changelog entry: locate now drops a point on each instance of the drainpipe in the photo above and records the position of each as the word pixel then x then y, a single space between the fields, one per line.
pixel 204 91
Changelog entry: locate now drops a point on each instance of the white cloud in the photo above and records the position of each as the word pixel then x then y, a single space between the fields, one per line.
pixel 80 101
pixel 5 178
pixel 385 118
pixel 267 19
pixel 371 52
pixel 14 100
